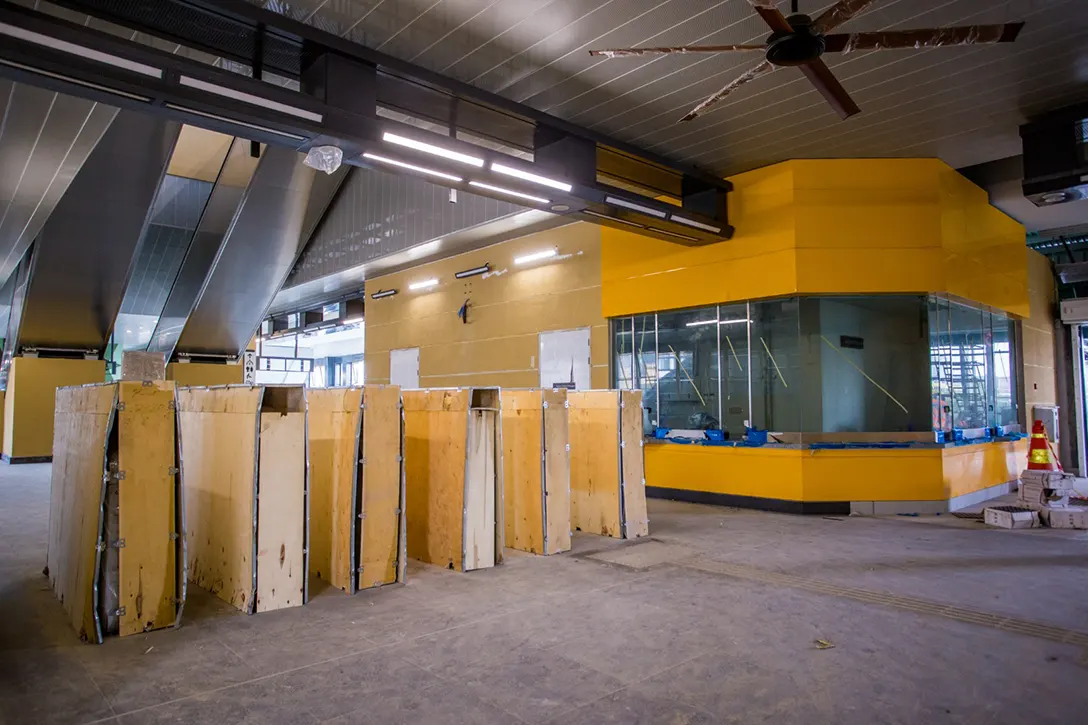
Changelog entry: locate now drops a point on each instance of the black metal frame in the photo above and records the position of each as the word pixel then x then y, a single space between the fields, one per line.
pixel 343 84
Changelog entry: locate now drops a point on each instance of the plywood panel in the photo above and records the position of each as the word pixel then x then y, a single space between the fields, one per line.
pixel 82 418
pixel 333 423
pixel 480 491
pixel 595 462
pixel 146 502
pixel 556 471
pixel 281 511
pixel 635 518
pixel 218 428
pixel 436 434
pixel 381 504
pixel 522 476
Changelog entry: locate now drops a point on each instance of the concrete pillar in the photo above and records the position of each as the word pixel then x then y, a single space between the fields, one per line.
pixel 29 403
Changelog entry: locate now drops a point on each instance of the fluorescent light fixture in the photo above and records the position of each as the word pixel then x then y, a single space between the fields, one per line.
pixel 234 121
pixel 720 322
pixel 701 322
pixel 473 272
pixel 528 176
pixel 734 322
pixel 636 207
pixel 432 149
pixel 697 225
pixel 76 81
pixel 509 192
pixel 64 46
pixel 249 98
pixel 672 234
pixel 535 257
pixel 612 219
pixel 412 167
pixel 425 284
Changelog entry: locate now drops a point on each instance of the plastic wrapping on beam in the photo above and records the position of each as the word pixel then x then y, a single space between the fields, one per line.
pixel 918 39
pixel 679 49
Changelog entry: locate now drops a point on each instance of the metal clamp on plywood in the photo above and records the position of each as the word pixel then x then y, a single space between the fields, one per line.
pixel 120 407
pixel 119 612
pixel 118 476
pixel 172 471
pixel 119 544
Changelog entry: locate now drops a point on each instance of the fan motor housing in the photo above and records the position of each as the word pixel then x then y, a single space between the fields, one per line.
pixel 798 47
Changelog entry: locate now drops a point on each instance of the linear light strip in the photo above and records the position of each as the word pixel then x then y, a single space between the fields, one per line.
pixel 253 100
pixel 425 284
pixel 612 218
pixel 697 225
pixel 672 234
pixel 529 176
pixel 383 293
pixel 509 192
pixel 432 149
pixel 635 207
pixel 64 46
pixel 234 121
pixel 536 256
pixel 465 273
pixel 77 81
pixel 412 167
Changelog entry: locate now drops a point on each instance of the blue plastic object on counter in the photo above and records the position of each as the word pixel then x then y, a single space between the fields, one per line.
pixel 755 436
pixel 715 435
pixel 661 433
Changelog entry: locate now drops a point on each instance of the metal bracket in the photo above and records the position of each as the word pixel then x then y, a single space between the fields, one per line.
pixel 545 405
pixel 641 443
pixel 174 536
pixel 120 407
pixel 568 448
pixel 362 515
pixel 623 444
pixel 397 511
pixel 623 404
pixel 400 459
pixel 172 471
pixel 119 612
pixel 120 476
pixel 566 403
pixel 119 544
pixel 363 460
pixel 172 405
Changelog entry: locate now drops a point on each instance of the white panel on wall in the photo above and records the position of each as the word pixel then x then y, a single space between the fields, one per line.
pixel 564 359
pixel 404 368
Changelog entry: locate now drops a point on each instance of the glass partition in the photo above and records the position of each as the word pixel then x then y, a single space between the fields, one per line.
pixel 687 375
pixel 734 327
pixel 1004 376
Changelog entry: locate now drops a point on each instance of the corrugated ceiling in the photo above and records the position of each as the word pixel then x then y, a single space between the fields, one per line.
pixel 961 104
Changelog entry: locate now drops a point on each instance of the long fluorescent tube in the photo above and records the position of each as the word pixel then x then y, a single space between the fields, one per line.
pixel 509 192
pixel 83 52
pixel 720 322
pixel 383 293
pixel 546 254
pixel 697 225
pixel 637 207
pixel 76 81
pixel 484 269
pixel 424 284
pixel 236 122
pixel 701 322
pixel 672 234
pixel 412 167
pixel 528 176
pixel 431 149
pixel 249 98
pixel 734 322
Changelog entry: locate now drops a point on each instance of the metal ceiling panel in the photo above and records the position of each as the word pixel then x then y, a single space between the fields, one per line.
pixel 44 139
pixel 378 214
pixel 960 104
pixel 84 254
pixel 259 251
pixel 230 187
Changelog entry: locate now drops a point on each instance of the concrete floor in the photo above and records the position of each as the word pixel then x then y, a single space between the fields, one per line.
pixel 715 619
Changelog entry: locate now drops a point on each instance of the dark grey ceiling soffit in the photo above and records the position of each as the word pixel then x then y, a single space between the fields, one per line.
pixel 230 186
pixel 44 139
pixel 343 85
pixel 84 255
pixel 281 207
pixel 1003 181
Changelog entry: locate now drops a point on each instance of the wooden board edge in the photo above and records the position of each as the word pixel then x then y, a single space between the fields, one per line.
pixel 101 542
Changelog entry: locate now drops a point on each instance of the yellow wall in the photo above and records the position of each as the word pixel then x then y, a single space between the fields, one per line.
pixel 507 311
pixel 29 401
pixel 194 374
pixel 832 226
pixel 923 474
pixel 1038 336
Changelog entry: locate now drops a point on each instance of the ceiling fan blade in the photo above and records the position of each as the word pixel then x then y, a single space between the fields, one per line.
pixel 768 10
pixel 927 38
pixel 749 75
pixel 828 85
pixel 624 52
pixel 838 14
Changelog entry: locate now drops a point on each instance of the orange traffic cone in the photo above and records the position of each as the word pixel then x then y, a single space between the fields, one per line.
pixel 1039 450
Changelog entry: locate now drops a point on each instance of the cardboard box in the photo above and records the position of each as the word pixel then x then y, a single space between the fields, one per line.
pixel 1068 517
pixel 1003 518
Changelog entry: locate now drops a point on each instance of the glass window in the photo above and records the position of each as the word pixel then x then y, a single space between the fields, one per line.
pixel 1004 377
pixel 864 364
pixel 644 355
pixel 733 327
pixel 968 363
pixel 623 357
pixel 940 364
pixel 776 365
pixel 687 374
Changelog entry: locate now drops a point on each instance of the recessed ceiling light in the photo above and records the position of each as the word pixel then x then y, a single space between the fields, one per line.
pixel 529 176
pixel 412 167
pixel 508 192
pixel 432 149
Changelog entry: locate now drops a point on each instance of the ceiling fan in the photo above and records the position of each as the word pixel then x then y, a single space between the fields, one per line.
pixel 799 41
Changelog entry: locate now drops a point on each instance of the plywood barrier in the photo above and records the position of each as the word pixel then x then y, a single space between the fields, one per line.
pixel 453 478
pixel 536 470
pixel 115 557
pixel 246 492
pixel 357 523
pixel 607 483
